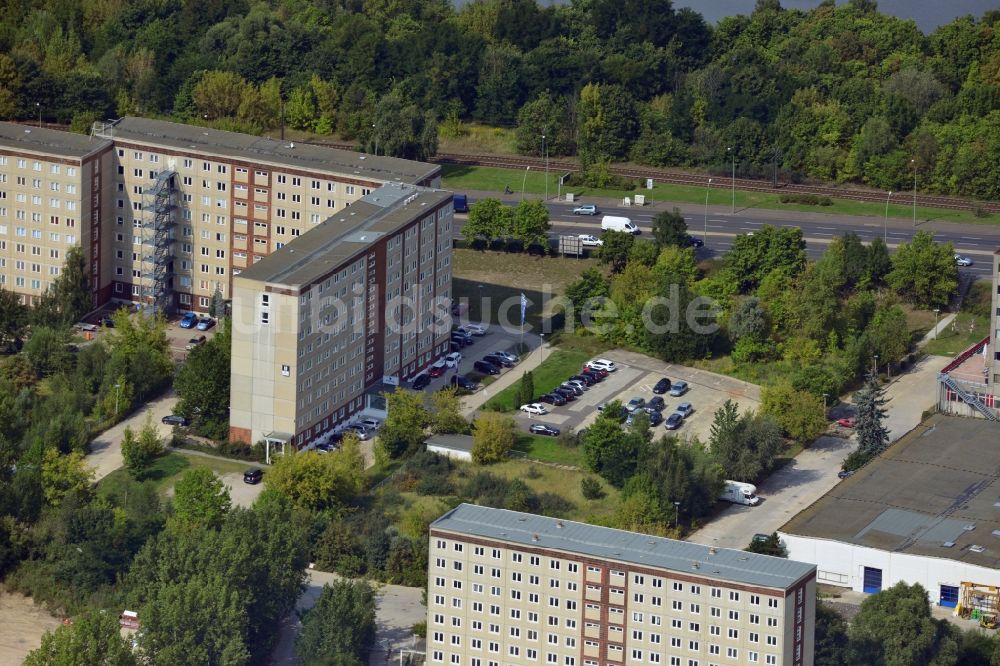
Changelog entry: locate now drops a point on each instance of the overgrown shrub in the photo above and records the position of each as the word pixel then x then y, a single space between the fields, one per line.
pixel 591 488
pixel 806 199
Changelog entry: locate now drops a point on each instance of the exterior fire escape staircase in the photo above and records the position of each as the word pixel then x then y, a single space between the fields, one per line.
pixel 158 209
pixel 968 398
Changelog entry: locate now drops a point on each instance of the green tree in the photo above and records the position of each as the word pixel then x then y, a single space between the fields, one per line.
pixel 526 389
pixel 493 437
pixel 315 481
pixel 608 123
pixel 924 272
pixel 873 437
pixel 139 451
pixel 669 228
pixel 531 223
pixel 895 628
pixel 69 296
pixel 219 94
pixel 752 258
pixel 677 325
pixel 615 249
pixel 801 415
pixel 138 353
pixel 65 474
pixel 200 498
pixel 13 317
pixel 888 333
pixel 610 451
pixel 94 637
pixel 591 488
pixel 586 293
pixel 46 350
pixel 402 129
pixel 446 413
pixel 489 219
pixel 770 546
pixel 203 384
pixel 879 263
pixel 403 430
pixel 749 320
pixel 544 116
pixel 677 261
pixel 745 445
pixel 643 252
pixel 831 637
pixel 340 628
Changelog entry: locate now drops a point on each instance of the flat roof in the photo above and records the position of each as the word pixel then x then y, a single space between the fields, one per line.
pixel 310 157
pixel 49 141
pixel 328 245
pixel 453 442
pixel 613 545
pixel 937 484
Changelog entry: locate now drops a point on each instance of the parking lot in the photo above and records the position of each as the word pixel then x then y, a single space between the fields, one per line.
pixel 495 339
pixel 635 377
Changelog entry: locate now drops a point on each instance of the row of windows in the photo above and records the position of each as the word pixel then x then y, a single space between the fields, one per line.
pixel 438 656
pixel 55 169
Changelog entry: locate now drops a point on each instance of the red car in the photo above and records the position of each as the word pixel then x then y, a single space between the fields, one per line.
pixel 848 422
pixel 437 370
pixel 596 371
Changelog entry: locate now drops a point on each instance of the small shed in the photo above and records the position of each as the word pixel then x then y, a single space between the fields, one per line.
pixel 453 446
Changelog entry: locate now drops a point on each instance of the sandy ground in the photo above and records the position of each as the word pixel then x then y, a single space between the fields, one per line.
pixel 22 625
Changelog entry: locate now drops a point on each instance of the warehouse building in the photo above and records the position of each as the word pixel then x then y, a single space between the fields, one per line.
pixel 514 588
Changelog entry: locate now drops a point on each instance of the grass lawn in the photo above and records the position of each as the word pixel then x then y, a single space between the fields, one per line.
pixel 548 449
pixel 479 139
pixel 566 484
pixel 958 337
pixel 165 470
pixel 493 179
pixel 492 283
pixel 557 367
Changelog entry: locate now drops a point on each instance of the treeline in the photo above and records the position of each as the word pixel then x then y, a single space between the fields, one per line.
pixel 839 93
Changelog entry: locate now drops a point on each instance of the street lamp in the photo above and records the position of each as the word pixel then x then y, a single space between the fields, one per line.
pixel 38 105
pixel 914 163
pixel 117 392
pixel 677 515
pixel 876 366
pixel 936 311
pixel 541 347
pixel 708 188
pixel 730 150
pixel 825 396
pixel 376 139
pixel 524 181
pixel 545 148
pixel 885 228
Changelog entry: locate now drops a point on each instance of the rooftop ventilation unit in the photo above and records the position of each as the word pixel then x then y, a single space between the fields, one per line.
pixel 976 549
pixel 948 544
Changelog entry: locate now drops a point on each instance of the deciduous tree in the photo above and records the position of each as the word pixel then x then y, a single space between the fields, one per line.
pixel 800 414
pixel 924 272
pixel 493 438
pixel 403 430
pixel 669 228
pixel 615 249
pixel 446 413
pixel 13 317
pixel 200 498
pixel 531 223
pixel 340 628
pixel 93 637
pixel 63 474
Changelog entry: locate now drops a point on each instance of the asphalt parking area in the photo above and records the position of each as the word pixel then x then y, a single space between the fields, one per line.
pixel 635 377
pixel 495 339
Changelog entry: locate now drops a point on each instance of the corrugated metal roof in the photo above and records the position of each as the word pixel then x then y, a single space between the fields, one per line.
pixel 49 141
pixel 613 545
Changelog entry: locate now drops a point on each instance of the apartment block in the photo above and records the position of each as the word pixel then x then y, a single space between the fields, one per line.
pixel 52 196
pixel 168 214
pixel 359 302
pixel 511 589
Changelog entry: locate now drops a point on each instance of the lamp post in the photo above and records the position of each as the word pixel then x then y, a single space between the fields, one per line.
pixel 936 311
pixel 885 222
pixel 825 396
pixel 118 388
pixel 677 515
pixel 524 181
pixel 38 105
pixel 376 139
pixel 541 347
pixel 876 366
pixel 708 188
pixel 730 150
pixel 914 163
pixel 545 148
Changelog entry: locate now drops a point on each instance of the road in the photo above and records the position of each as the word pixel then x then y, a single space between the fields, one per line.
pixel 105 450
pixel 720 226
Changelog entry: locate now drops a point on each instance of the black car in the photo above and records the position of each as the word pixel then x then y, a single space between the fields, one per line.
pixel 572 387
pixel 656 403
pixel 568 395
pixel 553 399
pixel 174 420
pixel 456 346
pixel 464 340
pixel 695 242
pixel 421 382
pixel 253 475
pixel 674 421
pixel 486 368
pixel 586 379
pixel 498 361
pixel 542 429
pixel 655 417
pixel 464 383
pixel 662 386
pixel 593 374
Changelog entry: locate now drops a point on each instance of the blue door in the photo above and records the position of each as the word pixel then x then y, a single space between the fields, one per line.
pixel 949 596
pixel 872 580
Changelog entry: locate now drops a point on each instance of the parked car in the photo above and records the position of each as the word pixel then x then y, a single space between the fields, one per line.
pixel 844 473
pixel 602 364
pixel 453 359
pixel 437 369
pixel 420 382
pixel 635 404
pixel 568 394
pixel 363 433
pixel 587 240
pixel 507 355
pixel 847 422
pixel 691 241
pixel 476 329
pixel 542 429
pixel 464 383
pixel 205 323
pixel 596 371
pixel 554 399
pixel 253 475
pixel 577 390
pixel 684 409
pixel 657 403
pixel 189 320
pixel 456 346
pixel 678 389
pixel 661 386
pixel 486 368
pixel 674 421
pixel 498 361
pixel 594 374
pixel 462 339
pixel 195 341
pixel 961 260
pixel 371 423
pixel 107 322
pixel 655 417
pixel 585 209
pixel 583 379
pixel 535 408
pixel 174 420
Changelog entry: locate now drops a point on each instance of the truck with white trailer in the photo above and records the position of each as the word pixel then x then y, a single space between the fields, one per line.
pixel 740 493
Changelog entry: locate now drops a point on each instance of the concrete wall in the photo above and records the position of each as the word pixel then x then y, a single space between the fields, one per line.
pixel 450 453
pixel 843 564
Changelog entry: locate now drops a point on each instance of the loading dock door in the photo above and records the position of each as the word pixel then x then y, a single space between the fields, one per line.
pixel 872 580
pixel 949 596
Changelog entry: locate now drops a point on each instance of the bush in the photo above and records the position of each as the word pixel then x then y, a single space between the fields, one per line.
pixel 420 629
pixel 557 506
pixel 434 485
pixel 591 488
pixel 806 199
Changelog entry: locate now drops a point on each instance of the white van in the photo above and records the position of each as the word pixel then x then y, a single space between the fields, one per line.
pixel 615 223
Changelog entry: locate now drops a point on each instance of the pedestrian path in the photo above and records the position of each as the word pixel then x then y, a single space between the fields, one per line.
pixel 471 403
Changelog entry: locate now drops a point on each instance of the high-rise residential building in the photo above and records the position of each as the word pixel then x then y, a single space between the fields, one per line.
pixel 167 213
pixel 509 589
pixel 361 301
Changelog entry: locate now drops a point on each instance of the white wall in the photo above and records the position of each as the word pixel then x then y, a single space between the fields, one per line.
pixel 839 563
pixel 451 453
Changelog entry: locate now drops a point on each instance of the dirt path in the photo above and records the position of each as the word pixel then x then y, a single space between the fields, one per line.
pixel 22 625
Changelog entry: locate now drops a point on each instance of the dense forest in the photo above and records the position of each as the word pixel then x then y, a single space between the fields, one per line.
pixel 836 93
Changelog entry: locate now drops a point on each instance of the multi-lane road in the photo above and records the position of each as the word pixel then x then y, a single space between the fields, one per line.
pixel 978 242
